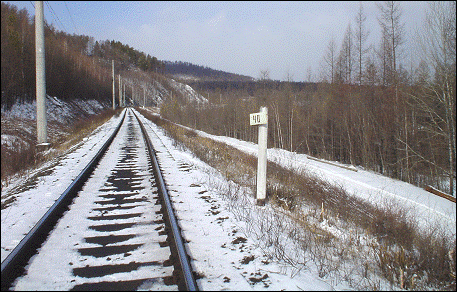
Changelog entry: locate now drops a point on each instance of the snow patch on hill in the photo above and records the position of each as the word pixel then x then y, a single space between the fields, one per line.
pixel 188 92
pixel 19 121
pixel 56 109
pixel 154 93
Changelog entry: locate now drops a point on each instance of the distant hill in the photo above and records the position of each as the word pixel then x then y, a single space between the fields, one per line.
pixel 187 71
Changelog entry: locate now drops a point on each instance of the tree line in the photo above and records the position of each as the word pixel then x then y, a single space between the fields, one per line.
pixel 367 109
pixel 77 66
pixel 202 72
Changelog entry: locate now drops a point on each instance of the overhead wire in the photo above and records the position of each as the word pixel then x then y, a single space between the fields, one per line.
pixel 54 13
pixel 76 29
pixel 57 18
pixel 45 22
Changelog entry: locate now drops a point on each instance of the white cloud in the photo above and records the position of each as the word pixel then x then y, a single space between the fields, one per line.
pixel 218 20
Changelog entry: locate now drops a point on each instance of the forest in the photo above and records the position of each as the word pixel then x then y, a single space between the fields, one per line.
pixel 366 109
pixel 201 72
pixel 77 66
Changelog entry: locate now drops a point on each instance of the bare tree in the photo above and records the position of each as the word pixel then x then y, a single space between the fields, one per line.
pixel 344 63
pixel 371 74
pixel 309 74
pixel 361 35
pixel 392 28
pixel 422 74
pixel 330 60
pixel 290 105
pixel 264 79
pixel 349 52
pixel 393 33
pixel 264 74
pixel 438 100
pixel 384 54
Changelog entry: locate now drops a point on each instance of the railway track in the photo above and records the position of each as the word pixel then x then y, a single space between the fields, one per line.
pixel 112 229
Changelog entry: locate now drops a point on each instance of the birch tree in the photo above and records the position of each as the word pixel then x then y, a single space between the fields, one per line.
pixel 438 100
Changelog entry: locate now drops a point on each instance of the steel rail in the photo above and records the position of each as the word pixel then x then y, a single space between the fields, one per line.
pixel 189 279
pixel 14 264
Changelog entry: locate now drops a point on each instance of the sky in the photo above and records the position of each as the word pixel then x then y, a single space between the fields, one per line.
pixel 246 37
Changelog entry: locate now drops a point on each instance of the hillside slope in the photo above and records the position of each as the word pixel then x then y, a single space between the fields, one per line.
pixel 190 72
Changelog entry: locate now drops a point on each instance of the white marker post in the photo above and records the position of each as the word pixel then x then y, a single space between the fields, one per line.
pixel 261 119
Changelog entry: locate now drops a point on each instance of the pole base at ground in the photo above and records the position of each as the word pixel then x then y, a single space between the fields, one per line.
pixel 260 202
pixel 43 147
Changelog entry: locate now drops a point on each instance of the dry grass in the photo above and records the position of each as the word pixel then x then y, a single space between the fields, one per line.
pixel 405 257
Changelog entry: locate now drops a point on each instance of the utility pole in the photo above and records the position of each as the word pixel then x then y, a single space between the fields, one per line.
pixel 114 88
pixel 42 135
pixel 120 91
pixel 123 93
pixel 144 97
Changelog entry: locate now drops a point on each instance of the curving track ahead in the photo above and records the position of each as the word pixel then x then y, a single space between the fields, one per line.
pixel 112 229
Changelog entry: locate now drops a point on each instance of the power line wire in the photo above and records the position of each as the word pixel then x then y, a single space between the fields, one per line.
pixel 76 30
pixel 52 10
pixel 45 22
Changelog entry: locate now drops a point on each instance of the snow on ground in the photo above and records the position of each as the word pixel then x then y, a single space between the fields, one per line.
pixel 34 196
pixel 10 140
pixel 189 93
pixel 19 121
pixel 222 252
pixel 63 256
pixel 56 109
pixel 364 184
pixel 226 257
